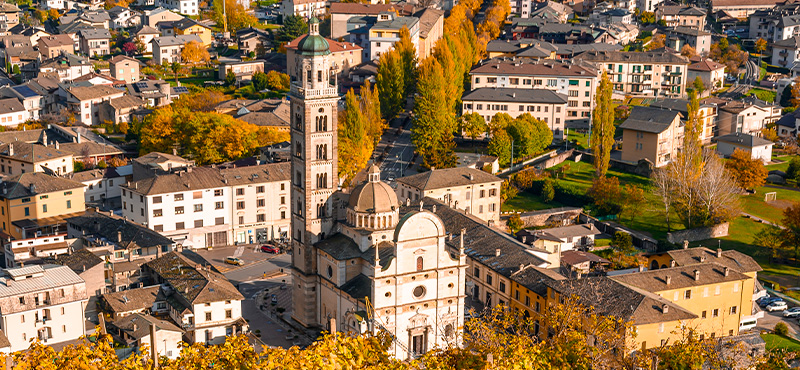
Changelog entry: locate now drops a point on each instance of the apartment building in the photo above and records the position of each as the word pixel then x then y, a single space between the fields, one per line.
pixel 102 186
pixel 544 105
pixel 779 22
pixel 674 15
pixel 20 157
pixel 125 244
pixel 754 146
pixel 202 302
pixel 653 134
pixel 203 207
pixel 303 8
pixel 678 37
pixel 188 26
pixel 244 70
pixel 707 114
pixel 343 56
pixel 710 72
pixel 55 45
pixel 35 203
pixel 124 68
pixel 472 190
pixel 95 41
pixel 740 9
pixel 431 29
pixel 168 48
pixel 31 100
pixel 341 13
pixel 652 73
pixel 12 112
pixel 386 31
pixel 576 81
pixel 187 7
pixel 44 302
pixel 85 102
pixel 748 115
pixel 20 251
pixel 67 66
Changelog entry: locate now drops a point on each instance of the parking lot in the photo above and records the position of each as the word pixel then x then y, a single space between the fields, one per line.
pixel 767 323
pixel 249 254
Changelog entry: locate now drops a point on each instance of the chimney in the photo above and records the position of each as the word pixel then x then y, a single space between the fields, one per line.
pixel 119 236
pixel 135 327
pixel 10 150
pixel 664 308
pixel 57 146
pixel 471 177
pixel 79 138
pixel 725 271
pixel 154 342
pixel 641 268
pixel 408 202
pixel 672 263
pixel 668 279
pixel 702 258
pixel 32 188
pixel 434 208
pixel 497 252
pixel 524 239
pixel 719 252
pixel 696 275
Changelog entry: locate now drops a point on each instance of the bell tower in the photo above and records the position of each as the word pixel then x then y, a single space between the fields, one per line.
pixel 313 96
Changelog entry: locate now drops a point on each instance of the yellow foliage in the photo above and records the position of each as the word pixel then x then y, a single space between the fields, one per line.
pixel 194 53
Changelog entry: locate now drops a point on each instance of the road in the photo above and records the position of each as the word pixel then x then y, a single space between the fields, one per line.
pixel 401 151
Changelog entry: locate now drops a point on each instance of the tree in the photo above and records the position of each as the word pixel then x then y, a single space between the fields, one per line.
pixel 371 107
pixel 473 125
pixel 391 83
pixel 781 329
pixel 499 122
pixel 793 171
pixel 769 134
pixel 260 81
pixel 507 191
pixel 656 42
pixel 53 14
pixel 355 148
pixel 294 26
pixel 530 135
pixel 202 101
pixel 699 86
pixel 515 223
pixel 622 241
pixel 408 55
pixel 603 126
pixel 786 96
pixel 748 172
pixel 141 48
pixel 112 3
pixel 664 189
pixel 693 131
pixel 432 132
pixel 647 18
pixel 129 48
pixel 634 200
pixel 606 195
pixel 500 147
pixel 761 46
pixel 195 53
pixel 277 81
pixel 791 221
pixel 237 16
pixel 547 192
pixel 688 51
pixel 230 78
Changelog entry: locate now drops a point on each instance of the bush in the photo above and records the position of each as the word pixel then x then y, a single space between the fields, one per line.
pixel 781 329
pixel 622 240
pixel 547 192
pixel 514 223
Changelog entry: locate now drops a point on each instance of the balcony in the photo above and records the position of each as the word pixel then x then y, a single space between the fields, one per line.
pixel 330 91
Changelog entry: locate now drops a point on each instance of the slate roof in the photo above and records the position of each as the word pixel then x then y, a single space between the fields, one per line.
pixel 143 322
pixel 94 33
pixel 572 231
pixel 358 287
pixel 126 101
pixel 733 259
pixel 92 92
pixel 186 23
pixel 19 186
pixel 612 298
pixel 706 65
pixel 678 105
pixel 78 261
pixel 208 178
pixel 342 248
pixel 31 152
pixel 681 277
pixel 369 9
pixel 648 119
pixel 634 57
pixel 504 66
pixel 131 299
pixel 175 40
pixel 574 257
pixel 742 139
pixel 790 43
pixel 53 276
pixel 448 177
pixel 513 95
pixel 193 284
pixel 104 226
pixel 683 30
pixel 11 105
pixel 536 279
pixel 64 61
pixel 147 30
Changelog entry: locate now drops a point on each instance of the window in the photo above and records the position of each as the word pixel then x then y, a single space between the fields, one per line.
pixel 261 203
pixel 158 228
pixel 260 189
pixel 703 315
pixel 240 205
pixel 179 226
pixel 27 211
pixel 283 199
pixel 219 221
pixel 687 294
pixel 178 197
pixel 240 191
pixel 157 213
pixel 715 312
pixel 198 208
pixel 261 217
pixel 733 310
pixel 198 223
pixel 156 200
pixel 502 287
pixel 179 210
pixel 208 316
pixel 44 208
pixel 219 205
pixel 420 264
pixel 477 273
pixel 527 301
pixel 218 192
pixel 489 279
pixel 228 314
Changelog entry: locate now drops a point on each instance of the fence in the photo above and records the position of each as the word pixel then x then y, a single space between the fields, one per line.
pixel 639 240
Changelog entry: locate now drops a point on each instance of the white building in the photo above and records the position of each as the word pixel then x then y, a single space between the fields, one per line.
pixel 168 48
pixel 303 8
pixel 42 301
pixel 185 7
pixel 757 147
pixel 12 112
pixel 85 101
pixel 201 207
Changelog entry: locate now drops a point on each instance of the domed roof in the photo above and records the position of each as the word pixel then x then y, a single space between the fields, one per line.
pixel 374 196
pixel 313 43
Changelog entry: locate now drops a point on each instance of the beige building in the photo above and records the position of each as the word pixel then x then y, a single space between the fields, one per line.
pixel 711 72
pixel 431 23
pixel 202 207
pixel 653 134
pixel 343 56
pixel 741 9
pixel 85 101
pixel 577 82
pixel 19 157
pixel 652 73
pixel 55 45
pixel 675 15
pixel 343 12
pixel 124 68
pixel 44 302
pixel 34 204
pixel 544 105
pixel 244 70
pixel 707 114
pixel 747 116
pixel 472 190
pixel 303 8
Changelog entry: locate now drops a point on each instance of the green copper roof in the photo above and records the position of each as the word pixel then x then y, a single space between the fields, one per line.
pixel 313 45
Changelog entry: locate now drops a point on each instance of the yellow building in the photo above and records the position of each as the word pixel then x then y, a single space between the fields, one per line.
pixel 35 203
pixel 187 26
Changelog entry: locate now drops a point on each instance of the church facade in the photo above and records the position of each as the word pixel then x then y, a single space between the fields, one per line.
pixel 360 261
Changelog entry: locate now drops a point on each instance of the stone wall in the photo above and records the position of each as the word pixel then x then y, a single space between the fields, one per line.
pixel 548 217
pixel 700 233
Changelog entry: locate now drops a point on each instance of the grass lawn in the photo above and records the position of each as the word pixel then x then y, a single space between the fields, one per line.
pixel 527 201
pixel 772 211
pixel 582 139
pixel 783 166
pixel 775 341
pixel 766 95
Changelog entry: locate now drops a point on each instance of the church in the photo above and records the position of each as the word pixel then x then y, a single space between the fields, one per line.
pixel 363 261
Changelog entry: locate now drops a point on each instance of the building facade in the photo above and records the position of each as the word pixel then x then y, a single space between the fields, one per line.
pixel 652 73
pixel 544 105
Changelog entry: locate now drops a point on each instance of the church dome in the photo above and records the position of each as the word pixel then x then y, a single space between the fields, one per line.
pixel 313 43
pixel 374 196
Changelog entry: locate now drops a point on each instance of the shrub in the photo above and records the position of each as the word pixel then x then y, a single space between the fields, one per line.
pixel 514 223
pixel 547 192
pixel 781 329
pixel 622 240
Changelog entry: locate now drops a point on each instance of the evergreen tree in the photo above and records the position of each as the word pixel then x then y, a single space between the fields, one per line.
pixel 500 147
pixel 294 26
pixel 391 83
pixel 603 126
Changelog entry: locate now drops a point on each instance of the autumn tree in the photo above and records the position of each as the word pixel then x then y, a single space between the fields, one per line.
pixel 634 199
pixel 195 53
pixel 473 125
pixel 233 16
pixel 514 223
pixel 129 48
pixel 432 132
pixel 500 147
pixel 408 57
pixel 656 42
pixel 500 121
pixel 603 126
pixel 277 81
pixel 647 18
pixel 391 83
pixel 761 46
pixel 606 195
pixel 688 51
pixel 693 131
pixel 698 85
pixel 371 108
pixel 112 3
pixel 748 172
pixel 355 148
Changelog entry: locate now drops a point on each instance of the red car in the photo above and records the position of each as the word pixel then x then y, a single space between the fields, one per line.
pixel 270 248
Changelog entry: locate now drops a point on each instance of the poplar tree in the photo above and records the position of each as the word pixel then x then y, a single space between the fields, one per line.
pixel 603 126
pixel 692 147
pixel 408 56
pixel 391 83
pixel 432 133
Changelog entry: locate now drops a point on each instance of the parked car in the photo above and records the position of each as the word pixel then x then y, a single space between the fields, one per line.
pixel 777 306
pixel 269 248
pixel 766 301
pixel 792 312
pixel 274 299
pixel 234 261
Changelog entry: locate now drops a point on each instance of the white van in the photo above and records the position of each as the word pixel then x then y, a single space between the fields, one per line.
pixel 747 325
